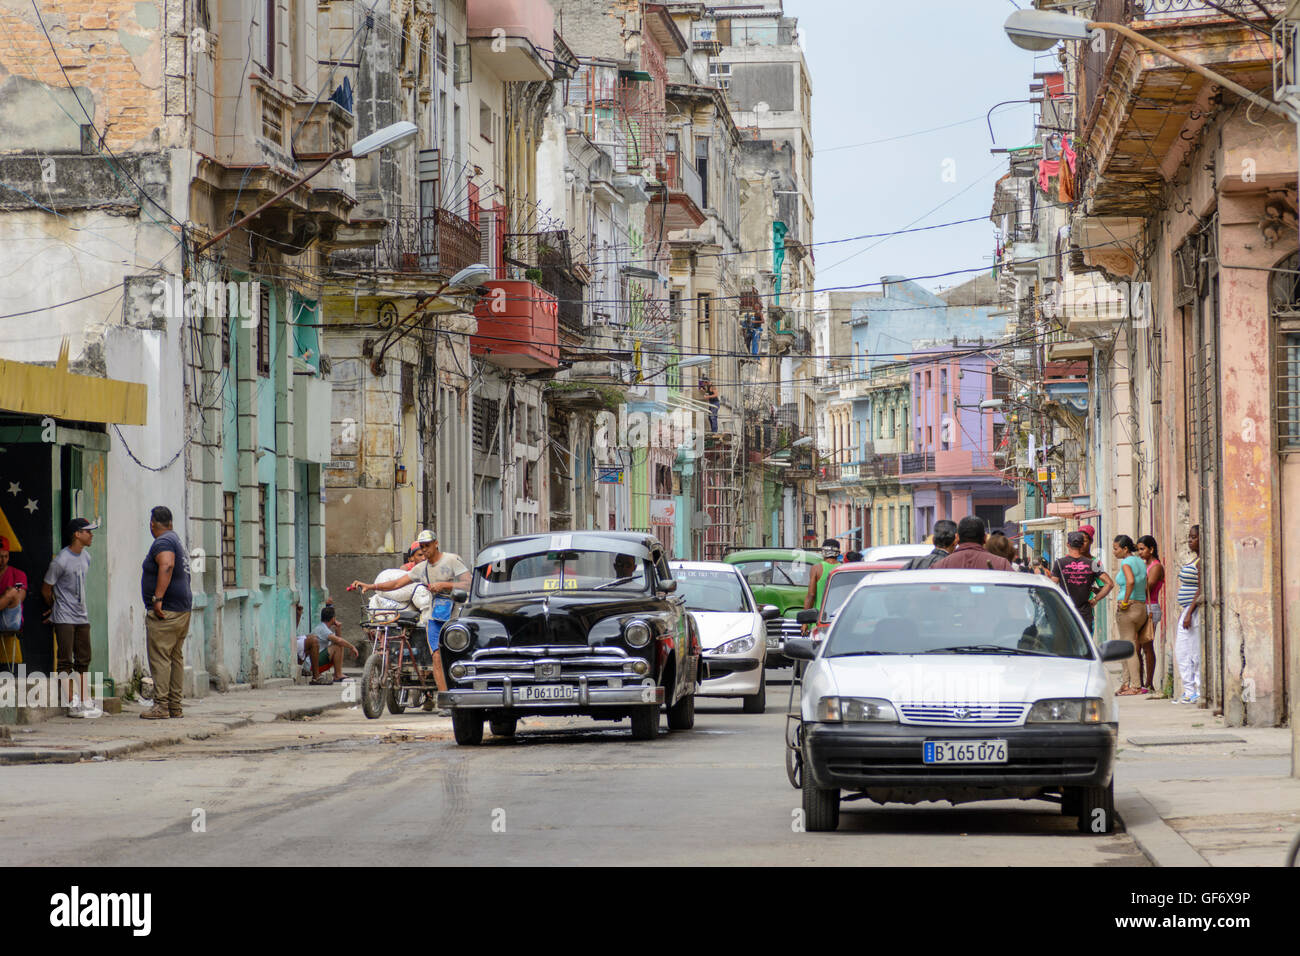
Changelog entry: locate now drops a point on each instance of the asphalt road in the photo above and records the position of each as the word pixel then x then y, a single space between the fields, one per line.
pixel 342 790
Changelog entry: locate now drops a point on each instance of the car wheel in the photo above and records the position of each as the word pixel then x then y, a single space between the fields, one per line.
pixel 645 722
pixel 1096 808
pixel 821 809
pixel 372 689
pixel 467 727
pixel 758 703
pixel 681 715
pixel 503 726
pixel 1070 801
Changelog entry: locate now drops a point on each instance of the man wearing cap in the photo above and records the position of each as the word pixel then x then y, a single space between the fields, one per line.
pixel 165 588
pixel 64 589
pixel 13 592
pixel 439 571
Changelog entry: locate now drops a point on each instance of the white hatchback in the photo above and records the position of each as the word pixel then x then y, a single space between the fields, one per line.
pixel 958 685
pixel 732 630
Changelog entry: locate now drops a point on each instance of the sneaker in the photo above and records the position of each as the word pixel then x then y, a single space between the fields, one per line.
pixel 75 710
pixel 91 709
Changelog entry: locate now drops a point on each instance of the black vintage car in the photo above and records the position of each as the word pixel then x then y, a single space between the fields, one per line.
pixel 583 622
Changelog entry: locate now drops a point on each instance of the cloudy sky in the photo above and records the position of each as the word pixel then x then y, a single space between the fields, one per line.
pixel 886 70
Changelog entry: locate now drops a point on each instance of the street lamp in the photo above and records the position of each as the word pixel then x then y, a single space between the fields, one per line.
pixel 1040 30
pixel 392 135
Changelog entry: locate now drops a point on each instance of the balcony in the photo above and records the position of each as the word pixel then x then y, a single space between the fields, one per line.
pixel 525 52
pixel 517 326
pixel 1130 93
pixel 559 259
pixel 440 243
pixel 685 193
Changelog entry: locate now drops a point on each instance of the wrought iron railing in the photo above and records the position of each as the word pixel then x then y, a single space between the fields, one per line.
pixel 914 463
pixel 438 242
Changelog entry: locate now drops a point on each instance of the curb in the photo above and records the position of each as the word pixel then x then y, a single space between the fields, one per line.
pixel 1159 842
pixel 120 748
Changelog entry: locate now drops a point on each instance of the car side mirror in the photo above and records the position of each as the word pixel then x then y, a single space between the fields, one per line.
pixel 808 616
pixel 459 595
pixel 769 611
pixel 667 586
pixel 799 649
pixel 1116 650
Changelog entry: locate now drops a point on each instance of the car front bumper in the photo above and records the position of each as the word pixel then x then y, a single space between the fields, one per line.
pixel 588 698
pixel 731 676
pixel 863 756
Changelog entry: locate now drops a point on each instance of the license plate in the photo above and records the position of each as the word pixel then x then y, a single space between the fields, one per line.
pixel 774 642
pixel 548 692
pixel 964 751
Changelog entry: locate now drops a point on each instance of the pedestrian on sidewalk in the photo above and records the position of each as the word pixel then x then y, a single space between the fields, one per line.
pixel 165 588
pixel 13 592
pixel 1130 608
pixel 970 551
pixel 64 590
pixel 1149 552
pixel 1078 573
pixel 1187 645
pixel 324 648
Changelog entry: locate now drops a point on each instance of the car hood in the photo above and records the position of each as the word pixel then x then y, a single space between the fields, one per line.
pixel 717 628
pixel 965 678
pixel 542 619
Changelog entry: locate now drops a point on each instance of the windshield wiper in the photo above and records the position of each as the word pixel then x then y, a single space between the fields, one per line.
pixel 610 584
pixel 861 653
pixel 986 649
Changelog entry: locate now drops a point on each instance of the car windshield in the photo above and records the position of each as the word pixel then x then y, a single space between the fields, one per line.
pixel 780 573
pixel 956 618
pixel 837 590
pixel 573 570
pixel 719 591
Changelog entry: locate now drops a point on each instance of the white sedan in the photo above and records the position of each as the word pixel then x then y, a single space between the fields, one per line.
pixel 732 630
pixel 958 685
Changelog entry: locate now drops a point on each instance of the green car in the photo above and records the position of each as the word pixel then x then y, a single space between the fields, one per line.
pixel 778 576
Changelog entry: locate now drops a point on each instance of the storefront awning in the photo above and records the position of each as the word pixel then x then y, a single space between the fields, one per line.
pixel 1015 513
pixel 40 390
pixel 1043 524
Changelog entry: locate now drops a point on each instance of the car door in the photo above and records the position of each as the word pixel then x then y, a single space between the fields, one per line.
pixel 686 638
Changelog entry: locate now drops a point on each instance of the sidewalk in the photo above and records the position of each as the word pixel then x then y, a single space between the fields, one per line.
pixel 1194 792
pixel 71 739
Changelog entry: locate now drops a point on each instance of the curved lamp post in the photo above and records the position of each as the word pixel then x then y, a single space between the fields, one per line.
pixel 393 135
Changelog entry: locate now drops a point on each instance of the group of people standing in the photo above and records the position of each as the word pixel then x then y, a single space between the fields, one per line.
pixel 1139 586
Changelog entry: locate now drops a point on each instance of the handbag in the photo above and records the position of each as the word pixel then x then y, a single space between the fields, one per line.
pixel 11 618
pixel 1153 612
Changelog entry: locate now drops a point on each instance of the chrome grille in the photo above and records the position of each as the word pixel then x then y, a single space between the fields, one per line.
pixel 967 715
pixel 566 664
pixel 781 629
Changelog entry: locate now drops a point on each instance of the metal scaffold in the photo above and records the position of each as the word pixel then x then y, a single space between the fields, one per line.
pixel 721 484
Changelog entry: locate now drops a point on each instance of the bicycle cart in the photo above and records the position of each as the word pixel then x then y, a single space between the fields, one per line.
pixel 402 671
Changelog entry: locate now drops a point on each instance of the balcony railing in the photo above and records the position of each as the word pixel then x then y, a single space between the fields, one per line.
pixel 1097 56
pixel 914 463
pixel 561 262
pixel 682 177
pixel 438 243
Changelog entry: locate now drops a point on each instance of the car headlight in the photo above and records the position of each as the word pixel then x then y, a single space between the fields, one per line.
pixel 856 710
pixel 1066 710
pixel 739 646
pixel 637 633
pixel 459 670
pixel 455 637
pixel 637 666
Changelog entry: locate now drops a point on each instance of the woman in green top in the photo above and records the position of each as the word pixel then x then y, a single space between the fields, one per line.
pixel 821 573
pixel 1131 608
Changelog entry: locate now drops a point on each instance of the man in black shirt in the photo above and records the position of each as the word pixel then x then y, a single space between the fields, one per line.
pixel 944 538
pixel 165 587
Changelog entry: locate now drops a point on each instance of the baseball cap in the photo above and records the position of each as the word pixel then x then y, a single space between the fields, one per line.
pixel 425 537
pixel 81 524
pixel 1089 530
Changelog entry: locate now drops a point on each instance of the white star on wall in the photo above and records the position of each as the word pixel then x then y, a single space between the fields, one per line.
pixel 30 506
pixel 14 488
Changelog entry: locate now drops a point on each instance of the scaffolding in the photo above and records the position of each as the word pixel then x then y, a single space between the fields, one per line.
pixel 721 480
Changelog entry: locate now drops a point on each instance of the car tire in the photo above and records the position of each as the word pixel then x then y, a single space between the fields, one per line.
pixel 372 691
pixel 681 716
pixel 1070 801
pixel 467 727
pixel 645 722
pixel 1096 808
pixel 821 809
pixel 757 704
pixel 503 726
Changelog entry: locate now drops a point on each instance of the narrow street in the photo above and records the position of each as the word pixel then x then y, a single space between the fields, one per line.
pixel 340 790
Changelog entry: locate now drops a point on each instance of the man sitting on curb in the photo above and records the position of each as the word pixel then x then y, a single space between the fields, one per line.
pixel 323 648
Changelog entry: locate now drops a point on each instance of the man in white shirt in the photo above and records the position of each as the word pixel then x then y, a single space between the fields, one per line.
pixel 440 571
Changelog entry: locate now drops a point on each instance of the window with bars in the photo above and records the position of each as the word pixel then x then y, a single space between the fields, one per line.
pixel 264 320
pixel 229 562
pixel 264 513
pixel 442 52
pixel 1284 292
pixel 486 413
